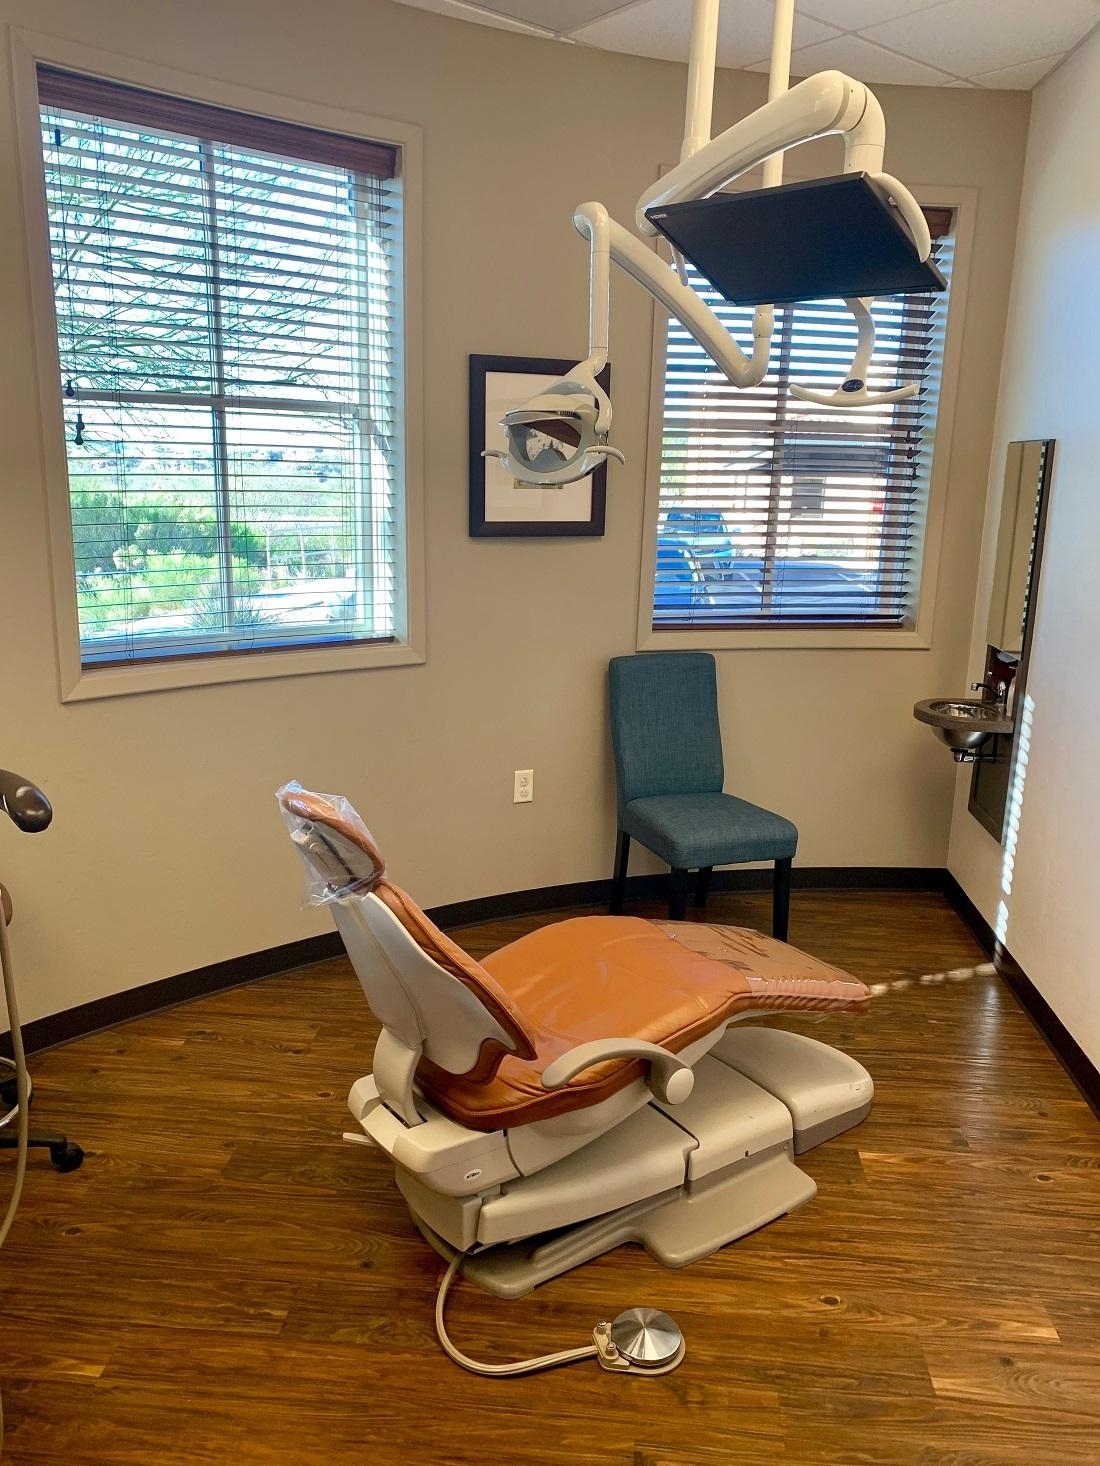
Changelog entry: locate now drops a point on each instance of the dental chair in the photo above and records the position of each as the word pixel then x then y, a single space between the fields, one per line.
pixel 585 1085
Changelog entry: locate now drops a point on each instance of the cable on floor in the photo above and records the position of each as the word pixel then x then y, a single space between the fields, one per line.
pixel 523 1366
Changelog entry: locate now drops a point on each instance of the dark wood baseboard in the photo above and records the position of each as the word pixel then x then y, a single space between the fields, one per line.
pixel 1061 1042
pixel 101 1013
pixel 984 934
pixel 655 888
pixel 168 992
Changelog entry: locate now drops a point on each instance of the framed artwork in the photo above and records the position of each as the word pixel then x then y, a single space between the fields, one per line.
pixel 498 505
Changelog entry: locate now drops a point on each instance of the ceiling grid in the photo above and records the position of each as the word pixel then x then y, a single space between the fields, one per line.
pixel 1010 44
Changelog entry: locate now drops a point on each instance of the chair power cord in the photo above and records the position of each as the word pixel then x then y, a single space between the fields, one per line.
pixel 640 1341
pixel 523 1366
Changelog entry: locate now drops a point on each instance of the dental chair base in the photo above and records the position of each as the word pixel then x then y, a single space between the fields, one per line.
pixel 681 1180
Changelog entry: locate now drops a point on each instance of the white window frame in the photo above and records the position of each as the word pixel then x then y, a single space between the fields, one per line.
pixel 918 636
pixel 78 683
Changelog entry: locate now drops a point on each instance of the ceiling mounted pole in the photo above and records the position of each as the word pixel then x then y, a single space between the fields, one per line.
pixel 779 78
pixel 701 64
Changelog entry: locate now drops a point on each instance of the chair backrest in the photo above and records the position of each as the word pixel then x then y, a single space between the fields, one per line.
pixel 664 724
pixel 423 988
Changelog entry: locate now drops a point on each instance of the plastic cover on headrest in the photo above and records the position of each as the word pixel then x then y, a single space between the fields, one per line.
pixel 338 851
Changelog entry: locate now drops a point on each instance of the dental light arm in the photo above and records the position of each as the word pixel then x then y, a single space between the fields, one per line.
pixel 561 435
pixel 828 104
pixel 824 105
pixel 605 236
pixel 853 391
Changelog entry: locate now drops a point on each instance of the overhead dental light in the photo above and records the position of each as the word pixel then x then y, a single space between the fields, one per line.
pixel 855 236
pixel 561 434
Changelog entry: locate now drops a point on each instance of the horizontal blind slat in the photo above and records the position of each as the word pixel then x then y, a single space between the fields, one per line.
pixel 779 512
pixel 120 103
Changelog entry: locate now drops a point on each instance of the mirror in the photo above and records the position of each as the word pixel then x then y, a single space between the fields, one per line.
pixel 1015 579
pixel 1025 478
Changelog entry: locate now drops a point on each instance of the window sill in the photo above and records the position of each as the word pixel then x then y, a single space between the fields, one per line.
pixel 92 683
pixel 776 639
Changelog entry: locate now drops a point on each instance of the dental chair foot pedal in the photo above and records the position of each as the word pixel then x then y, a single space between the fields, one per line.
pixel 640 1341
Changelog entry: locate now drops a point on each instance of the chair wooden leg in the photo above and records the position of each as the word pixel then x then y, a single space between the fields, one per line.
pixel 781 899
pixel 618 880
pixel 678 894
pixel 702 885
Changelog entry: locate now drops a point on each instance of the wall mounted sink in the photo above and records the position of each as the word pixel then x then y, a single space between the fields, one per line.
pixel 963 723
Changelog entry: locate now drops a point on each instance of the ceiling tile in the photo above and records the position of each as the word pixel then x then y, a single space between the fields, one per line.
pixel 860 58
pixel 1007 44
pixel 968 37
pixel 1019 78
pixel 461 12
pixel 854 15
pixel 656 28
pixel 553 15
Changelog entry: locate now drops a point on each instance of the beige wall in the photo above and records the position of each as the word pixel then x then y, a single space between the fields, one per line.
pixel 166 853
pixel 1042 898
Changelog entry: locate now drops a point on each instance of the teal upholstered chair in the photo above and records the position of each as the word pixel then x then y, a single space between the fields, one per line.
pixel 668 765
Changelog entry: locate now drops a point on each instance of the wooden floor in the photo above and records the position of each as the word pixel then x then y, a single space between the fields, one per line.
pixel 225 1281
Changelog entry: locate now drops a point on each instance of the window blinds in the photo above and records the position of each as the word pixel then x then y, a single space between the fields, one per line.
pixel 776 511
pixel 228 300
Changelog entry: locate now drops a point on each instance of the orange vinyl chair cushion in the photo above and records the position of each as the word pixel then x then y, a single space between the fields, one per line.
pixel 669 983
pixel 592 977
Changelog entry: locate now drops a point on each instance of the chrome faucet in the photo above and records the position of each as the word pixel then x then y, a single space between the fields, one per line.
pixel 997 691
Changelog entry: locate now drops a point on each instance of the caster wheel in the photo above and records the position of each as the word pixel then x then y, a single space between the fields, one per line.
pixel 69 1158
pixel 9 1087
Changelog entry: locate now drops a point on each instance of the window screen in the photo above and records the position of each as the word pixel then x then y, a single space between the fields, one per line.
pixel 228 302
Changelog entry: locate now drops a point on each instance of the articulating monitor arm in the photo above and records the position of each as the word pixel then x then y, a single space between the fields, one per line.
pixel 561 435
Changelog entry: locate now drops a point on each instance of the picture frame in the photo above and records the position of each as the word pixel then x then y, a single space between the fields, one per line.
pixel 499 507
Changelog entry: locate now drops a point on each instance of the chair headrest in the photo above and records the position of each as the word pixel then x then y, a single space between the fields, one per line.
pixel 337 849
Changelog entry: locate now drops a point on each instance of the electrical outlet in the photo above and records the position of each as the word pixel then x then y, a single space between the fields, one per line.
pixel 523 789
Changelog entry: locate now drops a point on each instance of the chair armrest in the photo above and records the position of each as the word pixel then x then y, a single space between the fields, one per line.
pixel 668 1077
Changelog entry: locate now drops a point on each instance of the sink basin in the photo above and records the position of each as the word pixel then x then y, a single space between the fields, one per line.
pixel 967 711
pixel 963 723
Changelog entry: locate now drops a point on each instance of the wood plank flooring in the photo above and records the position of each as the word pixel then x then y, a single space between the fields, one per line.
pixel 226 1281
